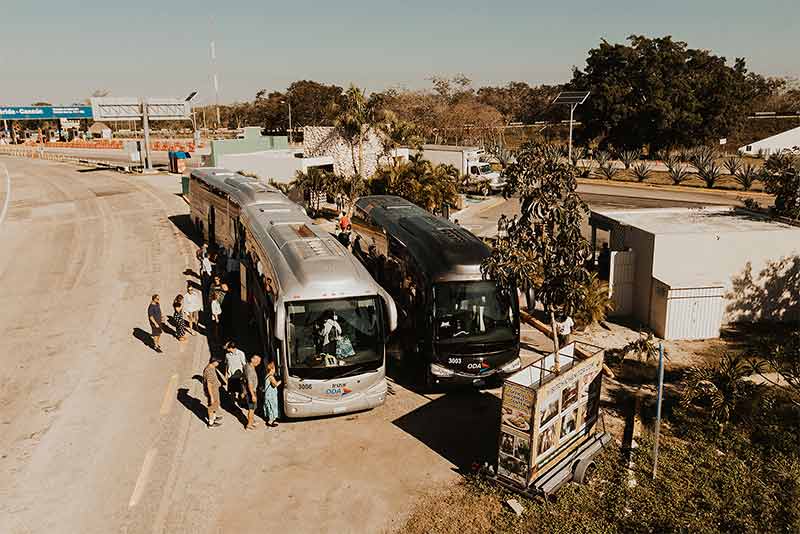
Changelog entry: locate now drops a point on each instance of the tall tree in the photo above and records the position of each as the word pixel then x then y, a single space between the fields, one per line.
pixel 543 247
pixel 354 117
pixel 418 181
pixel 661 93
pixel 781 177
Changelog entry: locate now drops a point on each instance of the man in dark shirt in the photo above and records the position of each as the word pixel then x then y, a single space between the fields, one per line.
pixel 156 320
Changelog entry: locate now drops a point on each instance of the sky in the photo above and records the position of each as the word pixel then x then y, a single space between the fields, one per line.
pixel 61 52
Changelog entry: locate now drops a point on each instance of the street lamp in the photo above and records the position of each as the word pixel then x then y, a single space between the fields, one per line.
pixel 289 103
pixel 196 134
pixel 573 99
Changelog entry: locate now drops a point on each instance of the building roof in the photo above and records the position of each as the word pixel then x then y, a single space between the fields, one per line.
pixel 450 148
pixel 775 143
pixel 717 220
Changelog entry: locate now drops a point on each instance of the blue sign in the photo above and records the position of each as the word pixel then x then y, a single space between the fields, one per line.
pixel 45 112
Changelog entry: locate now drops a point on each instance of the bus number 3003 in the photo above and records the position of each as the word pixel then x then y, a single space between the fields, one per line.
pixel 454 360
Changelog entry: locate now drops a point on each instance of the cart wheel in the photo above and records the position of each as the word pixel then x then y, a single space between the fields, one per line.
pixel 583 471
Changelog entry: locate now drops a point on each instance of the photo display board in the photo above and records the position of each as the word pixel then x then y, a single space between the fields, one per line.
pixel 546 415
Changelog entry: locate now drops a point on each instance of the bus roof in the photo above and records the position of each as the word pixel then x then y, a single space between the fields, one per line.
pixel 242 189
pixel 446 251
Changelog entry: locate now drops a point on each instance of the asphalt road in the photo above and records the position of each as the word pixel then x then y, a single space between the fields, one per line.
pixel 101 434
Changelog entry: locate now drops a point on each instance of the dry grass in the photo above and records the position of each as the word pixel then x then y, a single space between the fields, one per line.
pixel 458 510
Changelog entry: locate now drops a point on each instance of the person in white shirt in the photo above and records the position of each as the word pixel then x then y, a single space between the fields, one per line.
pixel 192 306
pixel 564 326
pixel 234 369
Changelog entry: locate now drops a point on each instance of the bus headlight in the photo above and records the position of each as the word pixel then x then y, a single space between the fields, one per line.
pixel 296 398
pixel 513 365
pixel 438 370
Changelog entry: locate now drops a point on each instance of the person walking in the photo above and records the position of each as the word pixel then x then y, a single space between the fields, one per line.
pixel 156 319
pixel 211 385
pixel 235 362
pixel 251 387
pixel 178 319
pixel 216 312
pixel 206 269
pixel 192 306
pixel 271 395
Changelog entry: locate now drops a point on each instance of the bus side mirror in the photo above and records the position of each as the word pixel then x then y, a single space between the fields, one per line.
pixel 391 310
pixel 280 322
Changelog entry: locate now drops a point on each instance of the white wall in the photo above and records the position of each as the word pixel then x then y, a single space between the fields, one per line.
pixel 266 164
pixel 760 271
pixel 641 243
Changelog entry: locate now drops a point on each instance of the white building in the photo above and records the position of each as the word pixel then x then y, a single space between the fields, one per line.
pixel 686 271
pixel 789 139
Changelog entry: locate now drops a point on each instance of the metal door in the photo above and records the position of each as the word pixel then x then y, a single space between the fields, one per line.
pixel 620 285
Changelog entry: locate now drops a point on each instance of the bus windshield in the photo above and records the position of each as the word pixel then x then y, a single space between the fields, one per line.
pixel 335 337
pixel 470 310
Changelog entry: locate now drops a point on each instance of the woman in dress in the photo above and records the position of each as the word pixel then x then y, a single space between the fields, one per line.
pixel 179 319
pixel 271 395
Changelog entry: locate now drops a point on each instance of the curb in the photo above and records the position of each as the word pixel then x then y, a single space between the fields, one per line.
pixel 675 188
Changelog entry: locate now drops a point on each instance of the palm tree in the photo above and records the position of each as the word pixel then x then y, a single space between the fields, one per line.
pixel 721 385
pixel 316 182
pixel 355 116
pixel 596 303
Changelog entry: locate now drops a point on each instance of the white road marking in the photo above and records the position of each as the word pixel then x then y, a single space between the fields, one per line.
pixel 141 481
pixel 169 395
pixel 8 195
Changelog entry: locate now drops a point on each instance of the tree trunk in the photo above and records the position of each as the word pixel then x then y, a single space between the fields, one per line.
pixel 557 367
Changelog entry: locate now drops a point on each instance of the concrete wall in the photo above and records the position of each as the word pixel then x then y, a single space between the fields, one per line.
pixel 278 165
pixel 760 271
pixel 326 141
pixel 642 244
pixel 253 142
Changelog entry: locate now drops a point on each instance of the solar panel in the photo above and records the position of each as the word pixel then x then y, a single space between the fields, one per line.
pixel 571 97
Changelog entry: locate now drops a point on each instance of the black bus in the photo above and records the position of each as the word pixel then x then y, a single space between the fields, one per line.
pixel 461 327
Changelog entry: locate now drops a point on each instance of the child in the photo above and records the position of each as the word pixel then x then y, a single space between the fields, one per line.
pixel 271 395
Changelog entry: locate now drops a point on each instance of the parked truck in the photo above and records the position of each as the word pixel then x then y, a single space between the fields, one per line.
pixel 477 175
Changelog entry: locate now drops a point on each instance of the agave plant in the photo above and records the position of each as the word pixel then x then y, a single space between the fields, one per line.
pixel 733 164
pixel 602 157
pixel 644 347
pixel 710 173
pixel 642 171
pixel 702 156
pixel 627 157
pixel 678 172
pixel 746 176
pixel 721 386
pixel 685 155
pixel 607 170
pixel 596 303
pixel 578 153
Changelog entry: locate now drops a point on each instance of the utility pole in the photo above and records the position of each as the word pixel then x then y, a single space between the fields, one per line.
pixel 146 127
pixel 659 399
pixel 216 81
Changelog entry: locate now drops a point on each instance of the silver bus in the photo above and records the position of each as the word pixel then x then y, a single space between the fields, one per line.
pixel 320 315
pixel 461 327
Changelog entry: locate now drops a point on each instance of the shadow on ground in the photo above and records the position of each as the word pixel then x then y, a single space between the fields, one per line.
pixel 196 406
pixel 183 223
pixel 462 427
pixel 143 336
